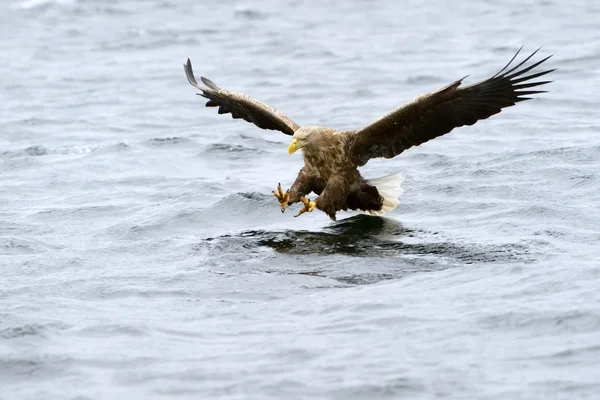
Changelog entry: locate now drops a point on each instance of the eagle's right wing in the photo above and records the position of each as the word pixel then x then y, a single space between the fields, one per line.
pixel 240 105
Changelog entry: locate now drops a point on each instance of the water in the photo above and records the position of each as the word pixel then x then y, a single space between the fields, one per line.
pixel 143 256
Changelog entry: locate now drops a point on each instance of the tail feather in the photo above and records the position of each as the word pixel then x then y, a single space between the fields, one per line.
pixel 389 187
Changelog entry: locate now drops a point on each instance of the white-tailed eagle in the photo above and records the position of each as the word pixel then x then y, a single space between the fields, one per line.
pixel 332 157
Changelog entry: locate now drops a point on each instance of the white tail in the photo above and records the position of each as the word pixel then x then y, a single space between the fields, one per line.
pixel 389 187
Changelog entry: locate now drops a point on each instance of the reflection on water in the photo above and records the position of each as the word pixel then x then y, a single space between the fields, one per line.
pixel 346 251
pixel 360 235
pixel 364 235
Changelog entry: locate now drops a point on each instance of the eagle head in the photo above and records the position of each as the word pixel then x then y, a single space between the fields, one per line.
pixel 305 136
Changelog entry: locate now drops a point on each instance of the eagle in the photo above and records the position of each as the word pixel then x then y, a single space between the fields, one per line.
pixel 332 157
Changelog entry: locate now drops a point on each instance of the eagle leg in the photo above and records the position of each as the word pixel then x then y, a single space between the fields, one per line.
pixel 283 198
pixel 308 206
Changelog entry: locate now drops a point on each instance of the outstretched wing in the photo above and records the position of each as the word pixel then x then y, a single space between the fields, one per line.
pixel 437 113
pixel 240 105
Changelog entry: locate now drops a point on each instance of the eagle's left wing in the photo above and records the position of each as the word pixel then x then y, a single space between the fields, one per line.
pixel 437 113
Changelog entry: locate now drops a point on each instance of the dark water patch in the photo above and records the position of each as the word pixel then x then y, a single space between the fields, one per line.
pixel 550 322
pixel 41 150
pixel 22 367
pixel 168 141
pixel 250 13
pixel 551 232
pixel 578 60
pixel 171 33
pixel 322 243
pixel 111 330
pixel 367 236
pixel 392 388
pixel 21 331
pixel 18 246
pixel 575 353
pixel 583 180
pixel 85 8
pixel 488 173
pixel 422 79
pixel 346 251
pixel 107 292
pixel 572 154
pixel 316 53
pixel 79 213
pixel 33 330
pixel 255 199
pixel 432 160
pixel 267 84
pixel 502 50
pixel 149 43
pixel 112 148
pixel 243 204
pixel 254 196
pixel 11 227
pixel 260 141
pixel 364 92
pixel 36 151
pixel 235 150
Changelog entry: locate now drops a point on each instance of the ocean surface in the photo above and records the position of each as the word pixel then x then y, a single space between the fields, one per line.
pixel 143 256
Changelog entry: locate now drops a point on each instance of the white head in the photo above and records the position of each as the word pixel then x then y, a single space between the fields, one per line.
pixel 305 136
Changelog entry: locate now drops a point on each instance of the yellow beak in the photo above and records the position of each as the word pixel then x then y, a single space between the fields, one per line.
pixel 294 145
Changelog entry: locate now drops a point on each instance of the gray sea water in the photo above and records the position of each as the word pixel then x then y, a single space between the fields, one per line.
pixel 143 256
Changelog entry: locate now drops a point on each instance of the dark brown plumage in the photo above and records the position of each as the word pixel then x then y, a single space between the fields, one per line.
pixel 332 157
pixel 240 105
pixel 439 112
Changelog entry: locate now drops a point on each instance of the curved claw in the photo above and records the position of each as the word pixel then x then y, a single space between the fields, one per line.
pixel 283 198
pixel 308 206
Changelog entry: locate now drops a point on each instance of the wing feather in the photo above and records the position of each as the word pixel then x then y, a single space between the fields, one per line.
pixel 439 112
pixel 240 105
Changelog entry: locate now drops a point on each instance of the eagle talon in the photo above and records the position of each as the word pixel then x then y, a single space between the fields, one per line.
pixel 283 198
pixel 308 206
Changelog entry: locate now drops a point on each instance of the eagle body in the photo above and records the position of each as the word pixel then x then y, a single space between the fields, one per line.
pixel 332 157
pixel 325 155
pixel 332 175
